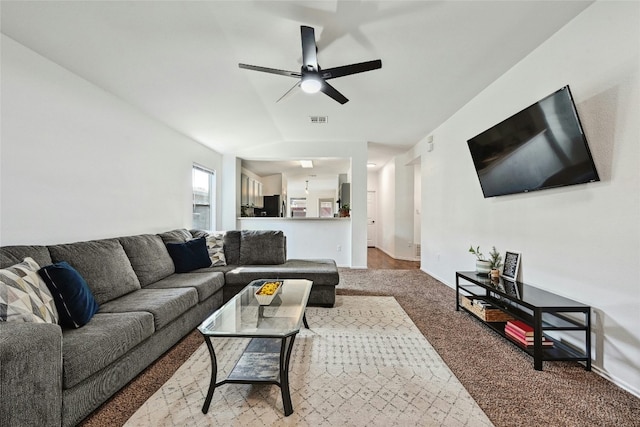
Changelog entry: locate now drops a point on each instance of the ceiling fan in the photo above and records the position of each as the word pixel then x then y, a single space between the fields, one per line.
pixel 312 78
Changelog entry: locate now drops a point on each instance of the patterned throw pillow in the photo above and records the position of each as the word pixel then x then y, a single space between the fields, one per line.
pixel 24 297
pixel 215 247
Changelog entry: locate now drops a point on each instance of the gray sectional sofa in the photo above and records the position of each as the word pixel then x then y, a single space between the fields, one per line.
pixel 54 376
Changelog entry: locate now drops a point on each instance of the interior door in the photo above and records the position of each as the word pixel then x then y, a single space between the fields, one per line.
pixel 371 219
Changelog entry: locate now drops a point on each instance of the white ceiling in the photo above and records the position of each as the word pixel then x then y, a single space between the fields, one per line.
pixel 178 61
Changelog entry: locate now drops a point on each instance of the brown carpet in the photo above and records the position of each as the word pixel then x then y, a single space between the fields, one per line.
pixel 499 376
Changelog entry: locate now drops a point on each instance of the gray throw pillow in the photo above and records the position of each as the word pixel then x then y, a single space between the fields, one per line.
pixel 175 236
pixel 262 247
pixel 231 247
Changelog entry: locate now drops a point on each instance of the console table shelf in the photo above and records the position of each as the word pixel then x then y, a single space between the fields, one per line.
pixel 543 310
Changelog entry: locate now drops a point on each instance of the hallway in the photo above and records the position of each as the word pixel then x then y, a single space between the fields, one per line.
pixel 378 260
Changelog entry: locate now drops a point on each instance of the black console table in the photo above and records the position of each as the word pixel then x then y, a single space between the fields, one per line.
pixel 543 310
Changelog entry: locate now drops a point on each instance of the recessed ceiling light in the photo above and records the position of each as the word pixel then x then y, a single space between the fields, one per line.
pixel 306 163
pixel 371 165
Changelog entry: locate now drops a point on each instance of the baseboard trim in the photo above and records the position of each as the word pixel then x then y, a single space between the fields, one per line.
pixel 622 384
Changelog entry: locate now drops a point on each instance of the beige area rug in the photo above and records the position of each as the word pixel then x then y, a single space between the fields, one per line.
pixel 361 363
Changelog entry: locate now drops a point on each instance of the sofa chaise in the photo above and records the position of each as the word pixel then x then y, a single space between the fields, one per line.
pixel 56 376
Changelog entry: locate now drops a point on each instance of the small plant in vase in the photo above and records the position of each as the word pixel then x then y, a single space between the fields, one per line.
pixel 483 265
pixel 496 262
pixel 344 210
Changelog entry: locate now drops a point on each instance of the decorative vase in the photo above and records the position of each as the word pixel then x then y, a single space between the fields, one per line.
pixel 495 273
pixel 483 267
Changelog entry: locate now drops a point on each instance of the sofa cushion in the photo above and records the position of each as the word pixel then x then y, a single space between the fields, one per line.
pixel 262 247
pixel 195 233
pixel 11 255
pixel 319 271
pixel 165 304
pixel 103 340
pixel 189 255
pixel 74 300
pixel 175 236
pixel 103 264
pixel 24 297
pixel 206 284
pixel 231 247
pixel 148 256
pixel 220 269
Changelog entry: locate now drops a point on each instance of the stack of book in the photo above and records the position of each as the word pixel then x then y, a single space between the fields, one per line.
pixel 522 333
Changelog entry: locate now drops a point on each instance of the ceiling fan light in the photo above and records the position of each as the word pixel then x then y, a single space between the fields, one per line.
pixel 311 84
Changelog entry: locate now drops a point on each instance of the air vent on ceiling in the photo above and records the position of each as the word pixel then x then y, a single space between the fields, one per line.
pixel 319 119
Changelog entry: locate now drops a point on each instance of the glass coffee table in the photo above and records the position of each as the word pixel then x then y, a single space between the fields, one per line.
pixel 272 329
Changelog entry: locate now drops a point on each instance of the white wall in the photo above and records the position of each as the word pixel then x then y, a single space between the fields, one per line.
pixel 396 208
pixel 417 202
pixel 272 185
pixel 403 204
pixel 386 208
pixel 230 193
pixel 77 163
pixel 323 186
pixel 583 241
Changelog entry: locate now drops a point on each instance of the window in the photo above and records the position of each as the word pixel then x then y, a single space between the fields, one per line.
pixel 325 208
pixel 204 188
pixel 298 207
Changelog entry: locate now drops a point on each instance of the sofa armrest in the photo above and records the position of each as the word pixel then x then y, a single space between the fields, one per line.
pixel 30 374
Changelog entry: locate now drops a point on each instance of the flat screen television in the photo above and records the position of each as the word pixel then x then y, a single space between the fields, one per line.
pixel 542 146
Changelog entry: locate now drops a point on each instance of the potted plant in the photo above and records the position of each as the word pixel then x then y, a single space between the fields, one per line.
pixel 344 210
pixel 496 262
pixel 483 265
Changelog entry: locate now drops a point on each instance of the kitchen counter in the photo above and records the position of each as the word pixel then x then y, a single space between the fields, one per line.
pixel 308 237
pixel 297 218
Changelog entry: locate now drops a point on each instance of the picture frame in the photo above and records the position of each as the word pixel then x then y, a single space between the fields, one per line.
pixel 511 265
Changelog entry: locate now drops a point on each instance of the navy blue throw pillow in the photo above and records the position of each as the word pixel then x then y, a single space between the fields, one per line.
pixel 190 255
pixel 74 300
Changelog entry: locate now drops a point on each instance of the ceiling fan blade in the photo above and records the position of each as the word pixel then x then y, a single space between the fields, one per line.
pixel 271 70
pixel 309 48
pixel 333 93
pixel 289 92
pixel 345 70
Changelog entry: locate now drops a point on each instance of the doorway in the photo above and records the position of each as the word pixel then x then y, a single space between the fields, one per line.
pixel 371 219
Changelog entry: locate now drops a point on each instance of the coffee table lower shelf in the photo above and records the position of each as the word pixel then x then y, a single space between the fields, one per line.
pixel 265 360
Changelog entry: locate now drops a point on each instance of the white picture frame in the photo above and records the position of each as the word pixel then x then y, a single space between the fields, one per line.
pixel 511 265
